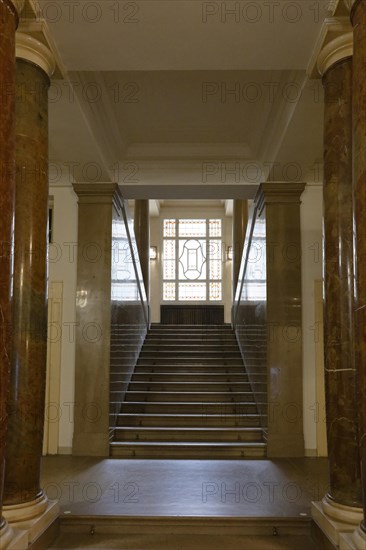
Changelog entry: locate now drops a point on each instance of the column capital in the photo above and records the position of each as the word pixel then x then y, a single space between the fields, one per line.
pixel 18 4
pixel 30 49
pixel 349 3
pixel 334 51
pixel 99 193
pixel 272 192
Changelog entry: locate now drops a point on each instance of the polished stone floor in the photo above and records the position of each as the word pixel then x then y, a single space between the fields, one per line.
pixel 254 488
pixel 181 489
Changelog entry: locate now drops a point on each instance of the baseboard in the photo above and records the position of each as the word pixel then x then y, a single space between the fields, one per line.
pixel 65 450
pixel 311 453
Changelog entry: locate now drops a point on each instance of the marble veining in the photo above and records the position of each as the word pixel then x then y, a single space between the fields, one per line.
pixel 359 222
pixel 29 352
pixel 7 187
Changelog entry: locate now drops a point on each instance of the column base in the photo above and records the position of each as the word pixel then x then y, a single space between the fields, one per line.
pixel 334 519
pixel 34 517
pixel 6 534
pixel 353 541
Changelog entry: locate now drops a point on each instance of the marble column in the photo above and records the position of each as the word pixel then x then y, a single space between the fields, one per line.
pixel 240 222
pixel 9 22
pixel 142 234
pixel 340 510
pixel 24 499
pixel 358 19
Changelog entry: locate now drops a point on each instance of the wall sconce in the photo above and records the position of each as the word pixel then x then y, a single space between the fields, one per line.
pixel 153 252
pixel 229 252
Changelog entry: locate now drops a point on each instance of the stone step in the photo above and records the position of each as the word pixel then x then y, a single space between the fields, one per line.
pixel 194 360
pixel 191 347
pixel 188 434
pixel 188 368
pixel 196 450
pixel 215 337
pixel 205 409
pixel 190 377
pixel 188 420
pixel 187 397
pixel 186 354
pixel 191 386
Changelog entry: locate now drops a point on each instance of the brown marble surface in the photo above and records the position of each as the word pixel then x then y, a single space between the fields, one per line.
pixel 27 390
pixel 340 376
pixel 7 187
pixel 359 191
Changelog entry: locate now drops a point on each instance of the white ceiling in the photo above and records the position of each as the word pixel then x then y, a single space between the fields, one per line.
pixel 147 96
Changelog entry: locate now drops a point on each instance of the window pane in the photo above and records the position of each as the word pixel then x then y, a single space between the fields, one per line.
pixel 169 270
pixel 215 292
pixel 215 250
pixel 192 228
pixel 192 291
pixel 169 291
pixel 192 259
pixel 169 228
pixel 215 270
pixel 214 228
pixel 169 250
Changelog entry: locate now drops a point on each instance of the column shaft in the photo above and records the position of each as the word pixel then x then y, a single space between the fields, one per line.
pixel 359 194
pixel 340 376
pixel 240 222
pixel 27 398
pixel 8 19
pixel 142 234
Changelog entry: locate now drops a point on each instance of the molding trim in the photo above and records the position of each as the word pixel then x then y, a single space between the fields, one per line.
pixel 26 510
pixel 349 3
pixel 336 50
pixel 99 193
pixel 30 49
pixel 332 28
pixel 6 534
pixel 341 512
pixel 272 192
pixel 18 4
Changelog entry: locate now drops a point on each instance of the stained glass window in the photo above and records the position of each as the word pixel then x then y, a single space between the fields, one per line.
pixel 192 260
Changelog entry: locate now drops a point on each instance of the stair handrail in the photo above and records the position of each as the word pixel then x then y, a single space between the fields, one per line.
pixel 252 218
pixel 136 262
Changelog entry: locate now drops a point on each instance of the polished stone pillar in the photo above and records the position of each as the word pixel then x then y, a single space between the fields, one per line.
pixel 142 234
pixel 240 222
pixel 340 510
pixel 98 203
pixel 23 496
pixel 281 201
pixel 8 24
pixel 358 18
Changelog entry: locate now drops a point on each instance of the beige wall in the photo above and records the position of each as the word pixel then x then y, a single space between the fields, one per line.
pixel 62 268
pixel 156 239
pixel 311 230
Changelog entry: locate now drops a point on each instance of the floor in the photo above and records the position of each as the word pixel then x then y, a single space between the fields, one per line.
pixel 281 488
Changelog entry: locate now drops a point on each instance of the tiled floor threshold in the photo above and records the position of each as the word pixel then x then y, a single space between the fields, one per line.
pixel 184 504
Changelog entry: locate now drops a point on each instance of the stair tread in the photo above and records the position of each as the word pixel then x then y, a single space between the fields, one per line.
pixel 191 443
pixel 190 375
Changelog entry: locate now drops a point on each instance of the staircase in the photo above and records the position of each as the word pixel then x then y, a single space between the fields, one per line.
pixel 189 398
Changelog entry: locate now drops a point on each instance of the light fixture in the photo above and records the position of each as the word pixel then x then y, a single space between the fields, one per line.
pixel 153 252
pixel 229 252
